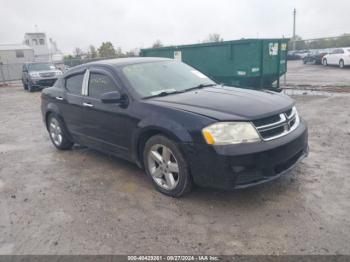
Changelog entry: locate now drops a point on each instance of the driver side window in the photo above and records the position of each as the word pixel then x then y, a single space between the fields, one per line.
pixel 100 84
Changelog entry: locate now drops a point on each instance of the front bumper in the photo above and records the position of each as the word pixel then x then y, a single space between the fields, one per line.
pixel 245 165
pixel 43 82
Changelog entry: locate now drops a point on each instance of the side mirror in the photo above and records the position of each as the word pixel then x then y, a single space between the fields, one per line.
pixel 112 98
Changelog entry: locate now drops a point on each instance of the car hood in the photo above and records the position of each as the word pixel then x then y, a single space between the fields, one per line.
pixel 45 71
pixel 227 103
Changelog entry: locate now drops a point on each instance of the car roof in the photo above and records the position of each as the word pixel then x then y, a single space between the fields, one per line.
pixel 128 61
pixel 115 62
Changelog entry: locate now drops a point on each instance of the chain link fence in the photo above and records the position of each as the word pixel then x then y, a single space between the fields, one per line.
pixel 320 43
pixel 10 72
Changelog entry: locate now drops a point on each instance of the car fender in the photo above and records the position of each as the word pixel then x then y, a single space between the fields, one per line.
pixel 152 125
pixel 51 108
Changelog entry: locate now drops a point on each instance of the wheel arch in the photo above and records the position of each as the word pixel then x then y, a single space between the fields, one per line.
pixel 52 109
pixel 146 133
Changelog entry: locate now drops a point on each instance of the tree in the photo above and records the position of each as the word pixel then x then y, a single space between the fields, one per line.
pixel 77 52
pixel 213 38
pixel 107 50
pixel 92 52
pixel 68 57
pixel 157 44
pixel 119 52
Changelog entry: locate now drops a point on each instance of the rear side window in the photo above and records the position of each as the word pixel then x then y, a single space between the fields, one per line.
pixel 100 84
pixel 74 84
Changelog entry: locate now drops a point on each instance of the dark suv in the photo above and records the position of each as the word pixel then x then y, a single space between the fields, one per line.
pixel 39 75
pixel 175 122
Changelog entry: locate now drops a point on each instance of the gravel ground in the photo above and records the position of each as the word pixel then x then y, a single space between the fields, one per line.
pixel 84 202
pixel 316 76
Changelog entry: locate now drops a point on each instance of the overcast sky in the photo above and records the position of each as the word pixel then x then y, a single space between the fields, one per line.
pixel 138 23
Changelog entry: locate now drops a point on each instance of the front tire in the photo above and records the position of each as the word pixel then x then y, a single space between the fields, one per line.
pixel 30 87
pixel 341 63
pixel 58 133
pixel 25 86
pixel 166 166
pixel 324 62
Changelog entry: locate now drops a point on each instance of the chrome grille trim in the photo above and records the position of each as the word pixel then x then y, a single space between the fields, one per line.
pixel 50 74
pixel 285 120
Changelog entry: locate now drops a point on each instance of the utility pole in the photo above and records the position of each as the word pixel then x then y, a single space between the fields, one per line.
pixel 294 17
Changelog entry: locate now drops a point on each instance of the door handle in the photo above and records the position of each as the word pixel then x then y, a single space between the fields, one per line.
pixel 88 104
pixel 59 97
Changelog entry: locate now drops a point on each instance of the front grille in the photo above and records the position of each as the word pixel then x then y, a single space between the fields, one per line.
pixel 46 82
pixel 277 125
pixel 50 74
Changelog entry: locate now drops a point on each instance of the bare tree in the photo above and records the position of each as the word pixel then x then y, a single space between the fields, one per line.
pixel 78 52
pixel 157 44
pixel 213 38
pixel 92 52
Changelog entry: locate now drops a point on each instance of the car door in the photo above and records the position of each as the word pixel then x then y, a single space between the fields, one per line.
pixel 108 126
pixel 330 56
pixel 340 55
pixel 335 57
pixel 70 102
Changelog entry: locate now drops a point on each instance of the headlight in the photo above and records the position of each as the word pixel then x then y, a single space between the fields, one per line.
pixel 58 73
pixel 224 133
pixel 34 75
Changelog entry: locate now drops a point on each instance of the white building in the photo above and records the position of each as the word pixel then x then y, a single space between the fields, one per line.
pixel 12 57
pixel 38 42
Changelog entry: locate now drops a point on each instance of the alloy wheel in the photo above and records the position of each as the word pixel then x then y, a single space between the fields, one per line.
pixel 55 132
pixel 163 166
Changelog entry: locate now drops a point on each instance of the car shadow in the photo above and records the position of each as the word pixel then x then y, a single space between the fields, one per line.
pixel 253 196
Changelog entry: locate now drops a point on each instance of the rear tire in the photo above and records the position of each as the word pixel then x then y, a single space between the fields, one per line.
pixel 166 166
pixel 58 133
pixel 341 64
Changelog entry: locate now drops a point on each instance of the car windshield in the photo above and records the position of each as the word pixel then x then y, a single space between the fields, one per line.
pixel 40 67
pixel 164 77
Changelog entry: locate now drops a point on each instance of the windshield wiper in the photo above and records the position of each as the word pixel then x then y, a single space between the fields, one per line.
pixel 199 87
pixel 164 93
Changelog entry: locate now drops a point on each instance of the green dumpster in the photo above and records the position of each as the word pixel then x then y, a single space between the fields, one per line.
pixel 250 63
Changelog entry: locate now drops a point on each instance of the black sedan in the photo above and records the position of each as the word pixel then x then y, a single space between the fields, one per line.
pixel 315 57
pixel 176 123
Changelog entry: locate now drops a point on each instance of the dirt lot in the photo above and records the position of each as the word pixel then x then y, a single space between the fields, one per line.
pixel 316 76
pixel 83 202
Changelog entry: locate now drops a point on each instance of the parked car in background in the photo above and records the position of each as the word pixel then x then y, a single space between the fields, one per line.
pixel 315 56
pixel 296 55
pixel 292 55
pixel 176 123
pixel 339 57
pixel 39 75
pixel 302 53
